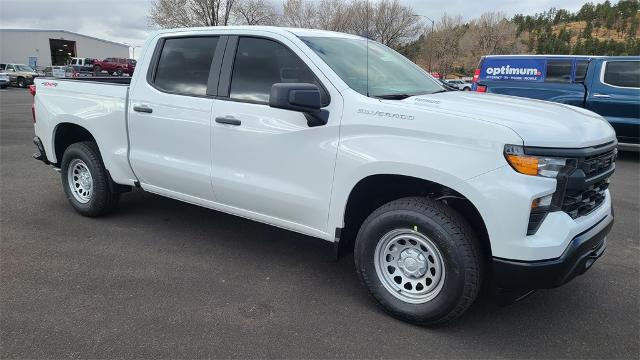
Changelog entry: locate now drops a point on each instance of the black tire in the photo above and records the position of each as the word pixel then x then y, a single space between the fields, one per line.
pixel 118 72
pixel 453 238
pixel 101 200
pixel 97 69
pixel 21 82
pixel 466 88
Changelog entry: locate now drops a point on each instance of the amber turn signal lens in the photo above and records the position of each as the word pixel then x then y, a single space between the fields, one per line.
pixel 527 165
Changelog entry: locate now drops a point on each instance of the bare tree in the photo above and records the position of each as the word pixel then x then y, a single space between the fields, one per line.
pixel 444 42
pixel 492 33
pixel 189 13
pixel 394 24
pixel 386 21
pixel 255 12
pixel 359 13
pixel 333 15
pixel 299 13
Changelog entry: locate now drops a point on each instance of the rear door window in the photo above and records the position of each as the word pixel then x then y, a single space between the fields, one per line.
pixel 184 65
pixel 558 71
pixel 622 74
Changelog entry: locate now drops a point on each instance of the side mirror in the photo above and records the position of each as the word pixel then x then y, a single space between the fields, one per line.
pixel 300 97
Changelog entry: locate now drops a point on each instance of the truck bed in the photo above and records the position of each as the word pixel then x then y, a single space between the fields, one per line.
pixel 99 105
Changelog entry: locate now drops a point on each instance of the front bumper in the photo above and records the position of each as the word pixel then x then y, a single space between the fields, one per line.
pixel 582 252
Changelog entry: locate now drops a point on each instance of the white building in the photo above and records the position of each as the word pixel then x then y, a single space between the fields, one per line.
pixel 42 47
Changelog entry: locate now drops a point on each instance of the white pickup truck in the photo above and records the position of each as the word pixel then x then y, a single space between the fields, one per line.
pixel 341 138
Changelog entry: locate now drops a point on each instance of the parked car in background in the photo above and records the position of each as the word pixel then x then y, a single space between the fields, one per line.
pixel 4 80
pixel 459 84
pixel 19 74
pixel 447 85
pixel 82 64
pixel 115 66
pixel 606 85
pixel 58 71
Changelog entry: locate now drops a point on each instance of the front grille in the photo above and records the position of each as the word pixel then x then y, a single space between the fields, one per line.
pixel 578 203
pixel 597 164
pixel 581 186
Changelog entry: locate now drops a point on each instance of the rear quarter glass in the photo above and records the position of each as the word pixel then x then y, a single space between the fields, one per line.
pixel 513 70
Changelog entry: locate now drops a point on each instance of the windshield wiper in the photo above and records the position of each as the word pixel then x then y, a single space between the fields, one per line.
pixel 393 96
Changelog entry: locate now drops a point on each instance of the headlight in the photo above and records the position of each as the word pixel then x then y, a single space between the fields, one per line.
pixel 533 165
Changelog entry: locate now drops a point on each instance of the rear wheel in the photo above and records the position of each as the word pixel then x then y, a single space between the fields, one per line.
pixel 97 69
pixel 85 180
pixel 419 260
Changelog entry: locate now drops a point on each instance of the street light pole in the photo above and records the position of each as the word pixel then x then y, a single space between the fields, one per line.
pixel 430 37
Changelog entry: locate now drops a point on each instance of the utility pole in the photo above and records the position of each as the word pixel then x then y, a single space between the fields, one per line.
pixel 430 37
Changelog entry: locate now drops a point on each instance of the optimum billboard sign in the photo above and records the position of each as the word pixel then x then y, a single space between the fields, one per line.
pixel 512 69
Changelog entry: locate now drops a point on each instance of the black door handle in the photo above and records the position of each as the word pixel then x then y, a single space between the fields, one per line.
pixel 143 108
pixel 228 121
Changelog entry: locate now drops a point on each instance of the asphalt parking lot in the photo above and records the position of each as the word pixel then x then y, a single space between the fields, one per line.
pixel 164 279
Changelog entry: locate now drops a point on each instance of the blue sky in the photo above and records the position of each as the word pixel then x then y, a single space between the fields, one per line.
pixel 126 20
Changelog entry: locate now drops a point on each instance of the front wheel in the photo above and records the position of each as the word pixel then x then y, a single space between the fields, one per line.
pixel 85 180
pixel 118 72
pixel 21 82
pixel 419 260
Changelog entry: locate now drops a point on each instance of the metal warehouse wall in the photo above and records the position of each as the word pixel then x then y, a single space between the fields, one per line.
pixel 16 46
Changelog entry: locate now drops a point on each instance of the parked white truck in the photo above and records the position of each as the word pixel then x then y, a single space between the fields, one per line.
pixel 341 138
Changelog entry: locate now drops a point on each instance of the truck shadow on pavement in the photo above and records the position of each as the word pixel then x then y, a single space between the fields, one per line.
pixel 268 251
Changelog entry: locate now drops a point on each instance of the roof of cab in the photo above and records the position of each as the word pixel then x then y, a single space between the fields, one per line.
pixel 274 29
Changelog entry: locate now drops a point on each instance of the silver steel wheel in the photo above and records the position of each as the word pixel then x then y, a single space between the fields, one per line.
pixel 80 180
pixel 410 266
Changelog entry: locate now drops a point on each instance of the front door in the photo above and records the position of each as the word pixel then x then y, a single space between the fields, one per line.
pixel 267 160
pixel 614 95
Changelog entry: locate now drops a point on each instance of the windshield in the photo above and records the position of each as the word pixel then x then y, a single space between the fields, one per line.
pixel 390 74
pixel 24 68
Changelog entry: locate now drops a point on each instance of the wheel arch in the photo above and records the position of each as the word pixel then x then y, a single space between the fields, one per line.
pixel 392 186
pixel 67 133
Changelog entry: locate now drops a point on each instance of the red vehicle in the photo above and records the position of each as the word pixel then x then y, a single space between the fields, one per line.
pixel 116 66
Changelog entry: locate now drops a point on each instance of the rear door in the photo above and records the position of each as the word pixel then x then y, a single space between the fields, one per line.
pixel 269 161
pixel 615 94
pixel 170 118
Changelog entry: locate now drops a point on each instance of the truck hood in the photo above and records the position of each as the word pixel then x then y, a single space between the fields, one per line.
pixel 537 122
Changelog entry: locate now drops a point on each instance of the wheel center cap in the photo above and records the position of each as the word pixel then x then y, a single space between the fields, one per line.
pixel 85 180
pixel 412 263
